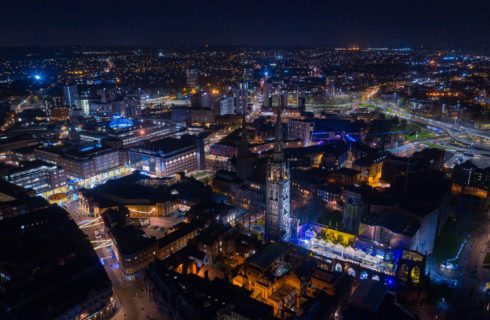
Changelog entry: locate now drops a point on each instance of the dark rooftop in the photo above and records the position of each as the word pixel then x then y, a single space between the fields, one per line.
pixel 394 220
pixel 167 145
pixel 139 188
pixel 267 255
pixel 130 240
pixel 50 264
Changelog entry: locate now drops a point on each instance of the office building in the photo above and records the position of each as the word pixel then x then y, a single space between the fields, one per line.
pixel 241 98
pixel 192 78
pixel 300 129
pixel 71 96
pixel 165 157
pixel 40 176
pixel 226 106
pixel 85 165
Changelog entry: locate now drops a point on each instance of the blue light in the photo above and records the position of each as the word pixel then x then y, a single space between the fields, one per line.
pixel 351 139
pixel 389 281
pixel 37 77
pixel 118 122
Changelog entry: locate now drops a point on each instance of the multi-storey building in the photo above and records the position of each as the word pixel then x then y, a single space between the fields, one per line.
pixel 86 165
pixel 300 129
pixel 165 157
pixel 40 176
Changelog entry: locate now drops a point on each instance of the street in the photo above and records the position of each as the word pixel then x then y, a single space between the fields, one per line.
pixel 134 299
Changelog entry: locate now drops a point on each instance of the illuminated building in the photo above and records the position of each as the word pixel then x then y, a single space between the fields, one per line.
pixel 40 176
pixel 330 193
pixel 469 179
pixel 226 106
pixel 277 216
pixel 59 114
pixel 400 229
pixel 370 167
pixel 360 257
pixel 300 129
pixel 177 239
pixel 333 128
pixel 15 200
pixel 135 250
pixel 71 96
pixel 118 123
pixel 143 196
pixel 165 157
pixel 123 135
pixel 294 284
pixel 85 165
pixel 187 296
pixel 241 98
pixel 192 77
pixel 344 176
pixel 133 106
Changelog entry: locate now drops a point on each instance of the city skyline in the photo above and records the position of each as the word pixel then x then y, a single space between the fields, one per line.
pixel 243 160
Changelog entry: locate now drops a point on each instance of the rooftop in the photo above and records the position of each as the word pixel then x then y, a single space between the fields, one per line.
pixel 267 255
pixel 130 240
pixel 50 265
pixel 166 145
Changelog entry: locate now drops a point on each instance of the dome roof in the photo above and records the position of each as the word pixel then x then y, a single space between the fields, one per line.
pixel 120 123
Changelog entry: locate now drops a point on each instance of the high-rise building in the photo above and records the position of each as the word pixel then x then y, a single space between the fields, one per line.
pixel 248 74
pixel 278 186
pixel 226 106
pixel 206 100
pixel 85 106
pixel 301 102
pixel 267 95
pixel 192 77
pixel 241 98
pixel 284 99
pixel 71 96
pixel 133 105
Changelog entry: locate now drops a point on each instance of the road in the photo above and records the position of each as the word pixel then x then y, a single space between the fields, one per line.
pixel 450 129
pixel 134 299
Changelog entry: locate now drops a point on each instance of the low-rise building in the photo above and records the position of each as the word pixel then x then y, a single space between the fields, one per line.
pixel 134 250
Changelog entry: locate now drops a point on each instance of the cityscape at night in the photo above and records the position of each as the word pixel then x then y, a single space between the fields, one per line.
pixel 242 160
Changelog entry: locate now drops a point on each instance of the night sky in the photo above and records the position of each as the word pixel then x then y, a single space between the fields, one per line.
pixel 455 23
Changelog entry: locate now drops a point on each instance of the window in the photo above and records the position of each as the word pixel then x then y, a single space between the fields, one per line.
pixel 415 275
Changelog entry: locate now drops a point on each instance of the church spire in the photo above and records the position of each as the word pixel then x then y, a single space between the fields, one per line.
pixel 243 149
pixel 278 147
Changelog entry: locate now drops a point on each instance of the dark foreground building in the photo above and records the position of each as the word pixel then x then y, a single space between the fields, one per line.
pixel 181 296
pixel 48 270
